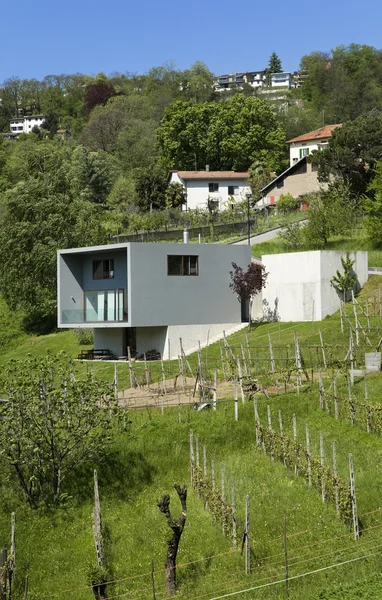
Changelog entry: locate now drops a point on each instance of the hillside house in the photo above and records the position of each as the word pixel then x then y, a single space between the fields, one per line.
pixel 305 144
pixel 26 124
pixel 221 188
pixel 148 296
pixel 298 180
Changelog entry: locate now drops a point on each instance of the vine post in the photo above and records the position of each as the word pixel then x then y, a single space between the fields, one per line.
pixel 286 558
pixel 116 380
pixel 233 501
pixel 271 430
pixel 240 381
pixel 257 422
pixel 223 494
pixel 323 349
pixel 336 491
pixel 353 498
pixel 146 371
pixel 244 359
pixel 367 407
pixel 213 472
pixel 215 388
pixel 322 462
pixel 295 443
pixel 131 372
pixel 192 458
pixel 247 536
pixel 282 438
pixel 335 398
pixel 164 389
pixel 248 348
pixel 236 399
pixel 309 469
pixel 3 573
pixel 222 361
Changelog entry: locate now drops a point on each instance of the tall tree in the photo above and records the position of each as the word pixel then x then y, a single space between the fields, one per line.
pixel 274 63
pixel 228 135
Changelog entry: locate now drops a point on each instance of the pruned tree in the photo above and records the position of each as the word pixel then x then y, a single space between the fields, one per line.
pixel 177 527
pixel 345 282
pixel 246 284
pixel 50 424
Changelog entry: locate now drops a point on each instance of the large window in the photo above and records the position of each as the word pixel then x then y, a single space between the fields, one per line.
pixel 213 187
pixel 182 265
pixel 103 269
pixel 233 190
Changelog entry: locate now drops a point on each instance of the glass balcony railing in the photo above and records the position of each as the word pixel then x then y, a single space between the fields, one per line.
pixel 99 306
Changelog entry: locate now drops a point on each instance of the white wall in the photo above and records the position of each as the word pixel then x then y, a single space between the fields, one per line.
pixel 294 149
pixel 197 191
pixel 300 282
pixel 110 339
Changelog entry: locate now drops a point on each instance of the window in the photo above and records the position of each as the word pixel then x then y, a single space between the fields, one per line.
pixel 182 265
pixel 103 269
pixel 304 152
pixel 233 190
pixel 213 187
pixel 280 183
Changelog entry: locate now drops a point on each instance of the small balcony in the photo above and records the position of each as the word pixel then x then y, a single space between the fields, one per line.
pixel 99 306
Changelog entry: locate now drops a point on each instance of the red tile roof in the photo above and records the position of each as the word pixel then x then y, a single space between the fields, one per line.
pixel 318 134
pixel 211 175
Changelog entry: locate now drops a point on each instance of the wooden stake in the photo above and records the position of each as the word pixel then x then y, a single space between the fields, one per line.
pixel 236 399
pixel 367 314
pixel 367 407
pixel 146 371
pixel 240 381
pixel 271 354
pixel 213 472
pixel 97 524
pixel 244 359
pixel 322 462
pixel 286 559
pixel 353 498
pixel 248 348
pixel 26 588
pixel 321 389
pixel 309 470
pixel 356 319
pixel 215 388
pixel 341 317
pixel 295 441
pixel 257 422
pixel 282 437
pixel 323 350
pixel 192 458
pixel 3 573
pixel 131 372
pixel 233 503
pixel 197 452
pixel 223 495
pixel 222 361
pixel 153 578
pixel 164 388
pixel 351 406
pixel 247 536
pixel 336 490
pixel 335 398
pixel 270 429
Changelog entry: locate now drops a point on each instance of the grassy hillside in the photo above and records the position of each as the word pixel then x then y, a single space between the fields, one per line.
pixel 357 241
pixel 55 548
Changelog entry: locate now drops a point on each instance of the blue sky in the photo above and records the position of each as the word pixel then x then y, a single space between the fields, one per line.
pixel 83 36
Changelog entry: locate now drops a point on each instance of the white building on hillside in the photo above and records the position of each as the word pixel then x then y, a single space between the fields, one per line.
pixel 304 144
pixel 26 124
pixel 222 188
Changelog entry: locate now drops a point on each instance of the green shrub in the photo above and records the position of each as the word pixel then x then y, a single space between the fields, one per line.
pixel 85 337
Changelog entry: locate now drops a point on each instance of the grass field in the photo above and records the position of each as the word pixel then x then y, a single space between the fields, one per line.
pixel 55 547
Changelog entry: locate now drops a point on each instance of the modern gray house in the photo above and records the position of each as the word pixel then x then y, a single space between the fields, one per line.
pixel 148 296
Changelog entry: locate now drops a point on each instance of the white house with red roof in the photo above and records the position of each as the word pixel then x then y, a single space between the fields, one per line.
pixel 223 188
pixel 304 144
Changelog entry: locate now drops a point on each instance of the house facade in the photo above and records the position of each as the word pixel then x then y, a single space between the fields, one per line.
pixel 222 188
pixel 305 144
pixel 148 296
pixel 26 124
pixel 256 79
pixel 298 180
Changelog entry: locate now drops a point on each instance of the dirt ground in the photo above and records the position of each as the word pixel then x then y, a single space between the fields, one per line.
pixel 174 394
